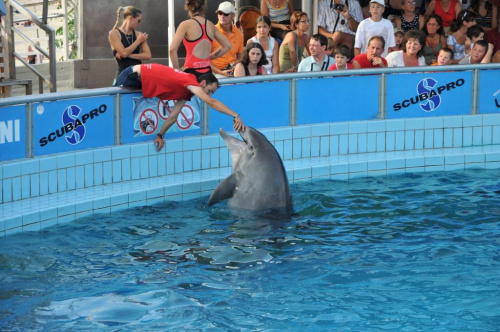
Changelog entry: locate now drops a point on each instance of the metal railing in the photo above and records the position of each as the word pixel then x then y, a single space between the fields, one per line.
pixel 13 5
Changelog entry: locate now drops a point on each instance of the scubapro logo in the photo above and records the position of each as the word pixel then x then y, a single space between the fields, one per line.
pixel 73 128
pixel 428 94
pixel 426 86
pixel 70 118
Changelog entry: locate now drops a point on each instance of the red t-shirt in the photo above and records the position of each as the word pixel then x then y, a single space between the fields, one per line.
pixel 165 82
pixel 334 66
pixel 362 59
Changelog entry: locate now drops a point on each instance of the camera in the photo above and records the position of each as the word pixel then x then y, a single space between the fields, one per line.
pixel 339 6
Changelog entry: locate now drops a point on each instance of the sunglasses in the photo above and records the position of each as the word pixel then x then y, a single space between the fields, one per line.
pixel 221 13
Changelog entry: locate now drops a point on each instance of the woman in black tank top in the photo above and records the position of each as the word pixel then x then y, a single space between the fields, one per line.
pixel 129 46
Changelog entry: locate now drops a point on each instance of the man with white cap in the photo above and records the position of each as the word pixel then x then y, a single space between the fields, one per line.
pixel 375 25
pixel 224 65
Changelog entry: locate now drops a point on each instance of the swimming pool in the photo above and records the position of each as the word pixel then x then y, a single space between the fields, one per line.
pixel 402 253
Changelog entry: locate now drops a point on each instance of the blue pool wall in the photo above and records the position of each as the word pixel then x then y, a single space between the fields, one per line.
pixel 45 190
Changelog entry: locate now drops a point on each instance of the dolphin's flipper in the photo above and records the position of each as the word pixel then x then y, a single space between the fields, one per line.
pixel 224 190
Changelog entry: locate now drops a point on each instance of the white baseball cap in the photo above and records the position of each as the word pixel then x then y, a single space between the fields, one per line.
pixel 380 2
pixel 226 7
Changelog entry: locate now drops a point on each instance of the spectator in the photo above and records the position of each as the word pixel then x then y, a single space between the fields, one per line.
pixel 481 53
pixel 456 40
pixel 169 83
pixel 373 57
pixel 279 11
pixel 374 26
pixel 409 19
pixel 493 37
pixel 330 46
pixel 268 43
pixel 473 34
pixel 318 61
pixel 411 55
pixel 398 39
pixel 224 65
pixel 342 54
pixel 339 20
pixel 253 63
pixel 197 35
pixel 486 13
pixel 446 9
pixel 31 58
pixel 435 40
pixel 129 46
pixel 292 48
pixel 444 57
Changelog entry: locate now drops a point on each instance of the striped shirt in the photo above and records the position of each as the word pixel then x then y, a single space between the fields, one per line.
pixel 278 14
pixel 327 16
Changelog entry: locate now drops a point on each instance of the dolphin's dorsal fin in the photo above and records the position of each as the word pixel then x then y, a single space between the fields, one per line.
pixel 224 190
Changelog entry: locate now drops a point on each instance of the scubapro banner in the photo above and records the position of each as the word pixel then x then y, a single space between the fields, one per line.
pixel 69 125
pixel 428 94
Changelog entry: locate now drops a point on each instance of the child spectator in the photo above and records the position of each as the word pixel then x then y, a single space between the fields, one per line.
pixel 342 53
pixel 408 19
pixel 456 40
pixel 481 53
pixel 268 43
pixel 473 33
pixel 253 63
pixel 444 57
pixel 375 25
pixel 372 58
pixel 398 37
pixel 330 47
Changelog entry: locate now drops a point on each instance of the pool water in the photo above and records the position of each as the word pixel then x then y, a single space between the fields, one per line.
pixel 412 252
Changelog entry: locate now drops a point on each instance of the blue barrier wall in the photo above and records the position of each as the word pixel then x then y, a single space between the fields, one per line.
pixel 63 122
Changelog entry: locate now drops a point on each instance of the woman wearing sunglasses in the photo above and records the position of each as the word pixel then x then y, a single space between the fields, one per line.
pixel 129 46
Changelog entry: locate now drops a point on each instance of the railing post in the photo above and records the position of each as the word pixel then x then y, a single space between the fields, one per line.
pixel 29 130
pixel 293 102
pixel 118 117
pixel 475 89
pixel 204 118
pixel 382 85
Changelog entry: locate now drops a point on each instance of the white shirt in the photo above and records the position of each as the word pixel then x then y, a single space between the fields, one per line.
pixel 310 64
pixel 395 59
pixel 328 16
pixel 368 28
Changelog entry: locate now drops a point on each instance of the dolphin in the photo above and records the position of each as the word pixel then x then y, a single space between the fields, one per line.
pixel 258 181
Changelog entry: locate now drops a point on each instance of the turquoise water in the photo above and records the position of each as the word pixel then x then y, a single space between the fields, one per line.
pixel 415 252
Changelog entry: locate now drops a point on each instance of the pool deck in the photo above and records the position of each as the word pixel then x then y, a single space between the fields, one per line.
pixel 36 213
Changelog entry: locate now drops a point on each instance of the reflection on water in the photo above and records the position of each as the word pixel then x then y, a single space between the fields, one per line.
pixel 416 251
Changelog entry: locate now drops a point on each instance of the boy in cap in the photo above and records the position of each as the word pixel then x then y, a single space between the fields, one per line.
pixel 224 65
pixel 375 25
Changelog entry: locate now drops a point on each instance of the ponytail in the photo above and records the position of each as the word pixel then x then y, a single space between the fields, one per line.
pixel 127 11
pixel 118 12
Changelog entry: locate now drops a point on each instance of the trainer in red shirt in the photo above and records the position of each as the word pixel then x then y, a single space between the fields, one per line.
pixel 171 84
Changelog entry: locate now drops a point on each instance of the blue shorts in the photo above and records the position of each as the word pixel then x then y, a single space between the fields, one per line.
pixel 129 78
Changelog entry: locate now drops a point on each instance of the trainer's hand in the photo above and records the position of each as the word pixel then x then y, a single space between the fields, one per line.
pixel 238 124
pixel 159 143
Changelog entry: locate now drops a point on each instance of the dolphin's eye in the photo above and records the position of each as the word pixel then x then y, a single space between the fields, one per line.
pixel 251 147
